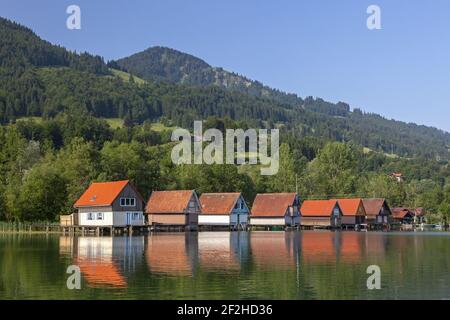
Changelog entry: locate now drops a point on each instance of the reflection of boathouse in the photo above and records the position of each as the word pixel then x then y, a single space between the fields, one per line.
pixel 104 261
pixel 319 247
pixel 171 253
pixel 273 249
pixel 219 251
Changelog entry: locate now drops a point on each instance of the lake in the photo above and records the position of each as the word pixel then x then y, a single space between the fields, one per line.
pixel 227 265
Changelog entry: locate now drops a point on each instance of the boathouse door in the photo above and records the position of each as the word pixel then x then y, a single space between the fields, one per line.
pixel 128 218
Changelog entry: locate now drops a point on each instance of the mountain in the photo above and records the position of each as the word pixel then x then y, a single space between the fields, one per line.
pixel 166 64
pixel 40 79
pixel 21 48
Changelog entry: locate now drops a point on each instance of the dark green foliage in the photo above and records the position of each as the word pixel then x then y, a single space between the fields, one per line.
pixel 45 165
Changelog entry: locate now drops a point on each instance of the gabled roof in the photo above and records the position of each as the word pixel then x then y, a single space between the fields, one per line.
pixel 319 208
pixel 272 204
pixel 175 201
pixel 350 207
pixel 418 212
pixel 373 206
pixel 400 213
pixel 218 203
pixel 101 194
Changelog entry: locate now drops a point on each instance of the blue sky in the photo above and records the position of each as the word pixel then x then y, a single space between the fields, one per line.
pixel 312 47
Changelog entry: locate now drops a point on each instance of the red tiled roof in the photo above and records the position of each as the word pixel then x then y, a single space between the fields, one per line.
pixel 101 194
pixel 350 207
pixel 272 204
pixel 175 201
pixel 373 206
pixel 400 213
pixel 319 208
pixel 218 203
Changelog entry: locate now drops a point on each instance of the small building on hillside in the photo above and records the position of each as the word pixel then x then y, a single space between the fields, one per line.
pixel 353 212
pixel 275 209
pixel 223 209
pixel 321 214
pixel 403 215
pixel 173 208
pixel 378 213
pixel 110 204
pixel 398 176
pixel 419 215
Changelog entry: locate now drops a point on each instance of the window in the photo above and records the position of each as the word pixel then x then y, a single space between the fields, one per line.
pixel 237 206
pixel 136 215
pixel 100 216
pixel 90 216
pixel 127 202
pixel 191 204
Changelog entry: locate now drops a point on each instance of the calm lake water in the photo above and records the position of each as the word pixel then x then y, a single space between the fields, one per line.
pixel 227 265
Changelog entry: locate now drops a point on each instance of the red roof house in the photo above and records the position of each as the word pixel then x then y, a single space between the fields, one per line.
pixel 226 209
pixel 321 213
pixel 116 203
pixel 353 211
pixel 275 209
pixel 173 208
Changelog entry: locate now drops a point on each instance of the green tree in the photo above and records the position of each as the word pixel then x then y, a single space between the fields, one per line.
pixel 334 171
pixel 43 193
pixel 285 179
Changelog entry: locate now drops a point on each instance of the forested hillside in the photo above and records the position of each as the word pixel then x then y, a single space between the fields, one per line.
pixel 54 139
pixel 41 79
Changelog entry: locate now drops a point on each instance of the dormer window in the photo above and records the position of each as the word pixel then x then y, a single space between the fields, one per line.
pixel 127 202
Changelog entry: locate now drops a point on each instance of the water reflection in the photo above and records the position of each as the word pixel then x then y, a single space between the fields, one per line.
pixel 171 254
pixel 219 251
pixel 319 247
pixel 103 261
pixel 247 264
pixel 273 250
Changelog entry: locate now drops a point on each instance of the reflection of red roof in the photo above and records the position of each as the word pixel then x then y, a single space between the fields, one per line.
pixel 351 246
pixel 101 194
pixel 373 206
pixel 166 254
pixel 318 246
pixel 101 273
pixel 175 201
pixel 350 207
pixel 272 204
pixel 320 208
pixel 218 203
pixel 216 253
pixel 269 249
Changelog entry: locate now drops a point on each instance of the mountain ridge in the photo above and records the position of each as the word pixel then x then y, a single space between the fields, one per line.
pixel 42 79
